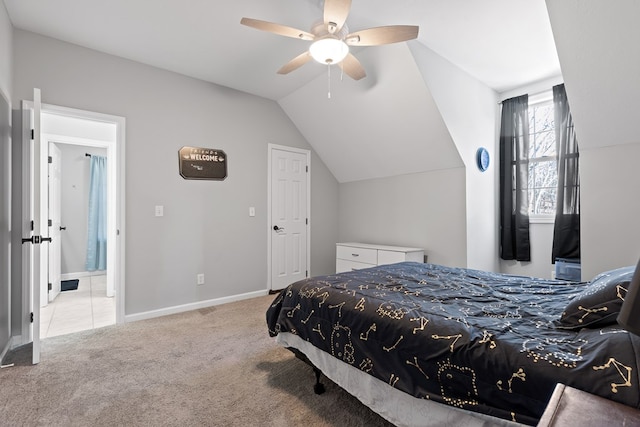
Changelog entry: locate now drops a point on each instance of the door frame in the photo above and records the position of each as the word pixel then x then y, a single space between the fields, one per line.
pixel 116 211
pixel 53 228
pixel 87 142
pixel 271 148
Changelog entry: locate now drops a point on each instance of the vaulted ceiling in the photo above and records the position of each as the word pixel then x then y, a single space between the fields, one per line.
pixel 386 124
pixel 598 47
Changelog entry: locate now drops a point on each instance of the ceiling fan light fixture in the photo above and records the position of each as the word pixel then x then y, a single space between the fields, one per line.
pixel 331 39
pixel 329 50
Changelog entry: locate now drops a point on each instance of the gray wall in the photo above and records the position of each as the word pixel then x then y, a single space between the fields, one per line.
pixel 449 212
pixel 75 182
pixel 6 52
pixel 609 206
pixel 469 109
pixel 6 62
pixel 17 316
pixel 424 210
pixel 206 227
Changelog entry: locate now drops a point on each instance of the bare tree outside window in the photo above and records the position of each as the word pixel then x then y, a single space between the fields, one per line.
pixel 543 164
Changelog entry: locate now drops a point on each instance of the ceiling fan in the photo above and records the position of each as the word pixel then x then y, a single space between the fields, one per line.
pixel 331 39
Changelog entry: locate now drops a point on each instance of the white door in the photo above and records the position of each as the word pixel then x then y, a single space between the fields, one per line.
pixel 32 227
pixel 289 216
pixel 55 246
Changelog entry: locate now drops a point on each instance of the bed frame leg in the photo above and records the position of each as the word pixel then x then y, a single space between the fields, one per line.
pixel 318 387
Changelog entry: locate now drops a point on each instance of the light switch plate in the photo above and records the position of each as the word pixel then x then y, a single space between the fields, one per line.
pixel 159 210
pixel 252 211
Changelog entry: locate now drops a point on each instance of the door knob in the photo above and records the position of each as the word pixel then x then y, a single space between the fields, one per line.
pixel 276 228
pixel 36 240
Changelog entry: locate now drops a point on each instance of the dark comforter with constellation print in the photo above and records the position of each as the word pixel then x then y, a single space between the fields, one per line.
pixel 480 341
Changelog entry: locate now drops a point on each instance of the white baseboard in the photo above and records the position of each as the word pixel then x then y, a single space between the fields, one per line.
pixel 6 349
pixel 191 306
pixel 16 341
pixel 81 274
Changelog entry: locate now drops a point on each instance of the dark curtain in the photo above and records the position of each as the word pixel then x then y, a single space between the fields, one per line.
pixel 514 180
pixel 566 234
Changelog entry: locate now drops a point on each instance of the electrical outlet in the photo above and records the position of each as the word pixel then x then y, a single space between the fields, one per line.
pixel 200 279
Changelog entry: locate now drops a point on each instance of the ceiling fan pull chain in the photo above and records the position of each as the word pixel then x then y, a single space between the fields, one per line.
pixel 328 81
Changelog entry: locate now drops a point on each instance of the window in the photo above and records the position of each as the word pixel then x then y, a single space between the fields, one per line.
pixel 543 163
pixel 530 163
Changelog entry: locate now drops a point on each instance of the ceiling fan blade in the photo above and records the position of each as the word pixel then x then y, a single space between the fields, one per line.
pixel 295 63
pixel 352 67
pixel 382 35
pixel 282 30
pixel 335 14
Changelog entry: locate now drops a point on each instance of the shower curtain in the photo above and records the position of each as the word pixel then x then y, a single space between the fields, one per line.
pixel 97 224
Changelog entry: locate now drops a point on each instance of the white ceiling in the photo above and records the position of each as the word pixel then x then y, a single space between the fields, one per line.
pixel 504 44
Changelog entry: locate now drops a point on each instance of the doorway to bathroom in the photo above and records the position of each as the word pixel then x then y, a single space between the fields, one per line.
pixel 80 291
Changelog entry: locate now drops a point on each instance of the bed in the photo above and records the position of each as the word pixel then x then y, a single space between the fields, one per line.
pixel 424 344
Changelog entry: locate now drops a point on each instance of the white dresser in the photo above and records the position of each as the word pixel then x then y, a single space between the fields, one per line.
pixel 355 256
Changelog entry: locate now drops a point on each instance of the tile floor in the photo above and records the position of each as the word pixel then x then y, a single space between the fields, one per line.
pixel 88 307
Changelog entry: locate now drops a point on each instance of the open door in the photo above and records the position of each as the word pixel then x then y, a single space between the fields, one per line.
pixel 32 226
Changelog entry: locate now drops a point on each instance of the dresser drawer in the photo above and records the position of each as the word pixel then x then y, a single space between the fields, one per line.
pixel 343 265
pixel 352 253
pixel 392 257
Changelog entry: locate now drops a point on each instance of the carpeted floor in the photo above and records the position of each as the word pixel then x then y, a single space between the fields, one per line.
pixel 208 367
